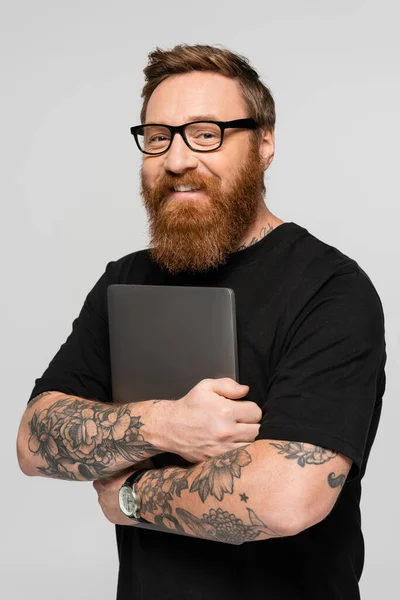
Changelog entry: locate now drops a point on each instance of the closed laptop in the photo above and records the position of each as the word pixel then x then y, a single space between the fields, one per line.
pixel 165 339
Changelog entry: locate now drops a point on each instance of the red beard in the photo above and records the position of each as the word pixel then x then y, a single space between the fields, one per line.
pixel 199 235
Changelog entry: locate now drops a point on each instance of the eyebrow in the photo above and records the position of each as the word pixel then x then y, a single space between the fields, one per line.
pixel 207 117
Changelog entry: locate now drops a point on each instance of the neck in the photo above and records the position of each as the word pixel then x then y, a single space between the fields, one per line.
pixel 265 223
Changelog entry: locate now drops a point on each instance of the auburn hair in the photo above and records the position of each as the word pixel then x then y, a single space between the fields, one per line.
pixel 185 58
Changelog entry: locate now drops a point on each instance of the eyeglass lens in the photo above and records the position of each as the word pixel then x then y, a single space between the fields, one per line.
pixel 201 136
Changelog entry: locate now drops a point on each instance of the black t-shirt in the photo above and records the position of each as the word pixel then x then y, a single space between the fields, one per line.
pixel 311 347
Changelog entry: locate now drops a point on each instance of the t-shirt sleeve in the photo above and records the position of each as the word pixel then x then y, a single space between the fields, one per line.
pixel 81 367
pixel 328 384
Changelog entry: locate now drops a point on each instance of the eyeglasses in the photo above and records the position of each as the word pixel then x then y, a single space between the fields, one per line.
pixel 199 136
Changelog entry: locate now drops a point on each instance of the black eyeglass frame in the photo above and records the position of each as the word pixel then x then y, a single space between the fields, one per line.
pixel 247 123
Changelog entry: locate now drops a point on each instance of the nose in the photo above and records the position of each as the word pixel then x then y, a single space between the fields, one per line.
pixel 179 158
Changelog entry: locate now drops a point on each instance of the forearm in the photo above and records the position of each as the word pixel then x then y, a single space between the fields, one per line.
pixel 266 489
pixel 222 499
pixel 76 439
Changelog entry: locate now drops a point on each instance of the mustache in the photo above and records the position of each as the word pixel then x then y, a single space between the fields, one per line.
pixel 168 182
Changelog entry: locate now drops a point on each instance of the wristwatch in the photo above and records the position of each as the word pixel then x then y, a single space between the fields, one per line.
pixel 129 501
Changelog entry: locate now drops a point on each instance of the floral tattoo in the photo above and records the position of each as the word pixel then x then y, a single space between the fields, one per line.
pixel 215 478
pixel 305 454
pixel 86 434
pixel 222 526
pixel 309 454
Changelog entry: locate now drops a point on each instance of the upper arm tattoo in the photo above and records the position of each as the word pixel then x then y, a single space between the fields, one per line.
pixel 305 453
pixel 335 482
pixel 310 454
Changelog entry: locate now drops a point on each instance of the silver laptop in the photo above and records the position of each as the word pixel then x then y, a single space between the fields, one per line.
pixel 165 339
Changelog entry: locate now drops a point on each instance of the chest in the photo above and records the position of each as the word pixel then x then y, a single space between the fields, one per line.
pixel 261 299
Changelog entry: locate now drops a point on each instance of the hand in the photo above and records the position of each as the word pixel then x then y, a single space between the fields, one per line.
pixel 108 488
pixel 210 420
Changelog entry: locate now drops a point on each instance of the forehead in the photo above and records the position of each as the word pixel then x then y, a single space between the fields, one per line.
pixel 182 98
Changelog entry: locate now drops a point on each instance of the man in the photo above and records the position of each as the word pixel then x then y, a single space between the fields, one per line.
pixel 269 507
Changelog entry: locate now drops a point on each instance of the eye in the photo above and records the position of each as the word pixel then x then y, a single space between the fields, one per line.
pixel 157 138
pixel 207 135
pixel 204 135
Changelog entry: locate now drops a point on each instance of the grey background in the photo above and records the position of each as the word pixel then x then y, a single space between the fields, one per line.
pixel 71 76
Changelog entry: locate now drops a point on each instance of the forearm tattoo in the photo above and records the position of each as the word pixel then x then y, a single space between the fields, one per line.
pixel 309 454
pixel 216 478
pixel 223 526
pixel 87 436
pixel 38 397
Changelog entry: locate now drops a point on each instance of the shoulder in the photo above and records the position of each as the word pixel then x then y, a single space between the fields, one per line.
pixel 120 270
pixel 312 254
pixel 318 268
pixel 116 271
pixel 329 297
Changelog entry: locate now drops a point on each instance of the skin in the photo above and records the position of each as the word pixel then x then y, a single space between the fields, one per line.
pixel 263 490
pixel 81 440
pixel 195 231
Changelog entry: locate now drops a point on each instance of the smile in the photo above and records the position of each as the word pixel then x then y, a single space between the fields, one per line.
pixel 192 193
pixel 185 188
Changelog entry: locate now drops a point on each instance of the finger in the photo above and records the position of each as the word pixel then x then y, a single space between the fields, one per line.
pixel 246 411
pixel 225 386
pixel 101 484
pixel 246 433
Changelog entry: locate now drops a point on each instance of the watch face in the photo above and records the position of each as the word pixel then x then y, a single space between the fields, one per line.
pixel 126 501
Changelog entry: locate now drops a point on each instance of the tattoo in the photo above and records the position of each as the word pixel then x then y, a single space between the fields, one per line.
pixel 39 397
pixel 222 526
pixel 160 486
pixel 264 232
pixel 305 453
pixel 88 435
pixel 335 482
pixel 216 478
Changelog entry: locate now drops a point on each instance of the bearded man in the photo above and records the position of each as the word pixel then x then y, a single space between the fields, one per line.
pixel 269 504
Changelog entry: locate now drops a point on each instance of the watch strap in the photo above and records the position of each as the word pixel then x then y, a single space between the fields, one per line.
pixel 136 475
pixel 132 479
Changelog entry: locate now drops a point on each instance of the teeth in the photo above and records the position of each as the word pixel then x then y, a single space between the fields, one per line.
pixel 185 188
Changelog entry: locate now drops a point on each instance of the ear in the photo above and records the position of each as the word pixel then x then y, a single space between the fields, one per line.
pixel 267 148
